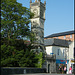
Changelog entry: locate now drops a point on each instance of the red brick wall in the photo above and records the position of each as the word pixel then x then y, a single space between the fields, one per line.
pixel 67 37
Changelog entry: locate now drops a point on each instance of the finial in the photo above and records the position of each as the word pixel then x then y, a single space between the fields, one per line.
pixel 45 2
pixel 30 1
pixel 35 0
pixel 39 0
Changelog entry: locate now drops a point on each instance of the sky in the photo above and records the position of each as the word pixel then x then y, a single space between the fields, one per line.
pixel 59 15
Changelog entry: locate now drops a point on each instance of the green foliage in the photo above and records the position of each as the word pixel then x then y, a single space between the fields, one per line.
pixel 27 59
pixel 11 57
pixel 17 54
pixel 7 55
pixel 40 60
pixel 14 19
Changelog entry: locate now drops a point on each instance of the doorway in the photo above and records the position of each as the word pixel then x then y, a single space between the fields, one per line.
pixel 48 68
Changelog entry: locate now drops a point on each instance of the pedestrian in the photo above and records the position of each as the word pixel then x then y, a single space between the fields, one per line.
pixel 60 69
pixel 70 70
pixel 65 69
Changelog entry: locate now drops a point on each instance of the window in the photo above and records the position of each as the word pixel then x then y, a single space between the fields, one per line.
pixel 70 36
pixel 63 51
pixel 58 52
pixel 64 37
pixel 57 37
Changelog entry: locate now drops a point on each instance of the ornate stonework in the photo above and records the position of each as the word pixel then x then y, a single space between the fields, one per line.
pixel 37 26
pixel 37 23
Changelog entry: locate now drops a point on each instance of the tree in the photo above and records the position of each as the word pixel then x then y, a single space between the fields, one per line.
pixel 14 19
pixel 7 56
pixel 17 55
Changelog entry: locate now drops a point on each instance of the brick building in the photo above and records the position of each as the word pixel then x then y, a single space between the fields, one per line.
pixel 68 35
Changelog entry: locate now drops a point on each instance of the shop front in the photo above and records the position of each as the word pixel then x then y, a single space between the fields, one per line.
pixel 61 63
pixel 73 65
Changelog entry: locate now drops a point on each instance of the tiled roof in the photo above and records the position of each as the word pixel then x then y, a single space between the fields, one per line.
pixel 56 42
pixel 61 34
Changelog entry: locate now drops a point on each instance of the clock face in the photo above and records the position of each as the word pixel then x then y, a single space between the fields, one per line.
pixel 35 11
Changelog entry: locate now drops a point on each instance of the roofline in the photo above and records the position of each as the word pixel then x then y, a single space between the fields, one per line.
pixel 58 45
pixel 60 34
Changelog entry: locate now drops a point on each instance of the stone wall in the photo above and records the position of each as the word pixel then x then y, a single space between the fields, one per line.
pixel 8 71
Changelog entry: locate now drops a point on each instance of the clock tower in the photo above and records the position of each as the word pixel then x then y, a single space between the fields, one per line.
pixel 37 24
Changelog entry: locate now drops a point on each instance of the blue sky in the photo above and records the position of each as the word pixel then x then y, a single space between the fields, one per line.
pixel 59 15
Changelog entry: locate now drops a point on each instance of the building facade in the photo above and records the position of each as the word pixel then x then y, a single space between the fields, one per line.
pixel 37 27
pixel 50 63
pixel 58 47
pixel 62 45
pixel 71 56
pixel 68 35
pixel 37 23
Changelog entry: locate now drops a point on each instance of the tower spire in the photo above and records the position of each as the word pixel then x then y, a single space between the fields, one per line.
pixel 30 1
pixel 35 0
pixel 45 2
pixel 39 0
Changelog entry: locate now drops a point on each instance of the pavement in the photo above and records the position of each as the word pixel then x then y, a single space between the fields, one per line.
pixel 43 74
